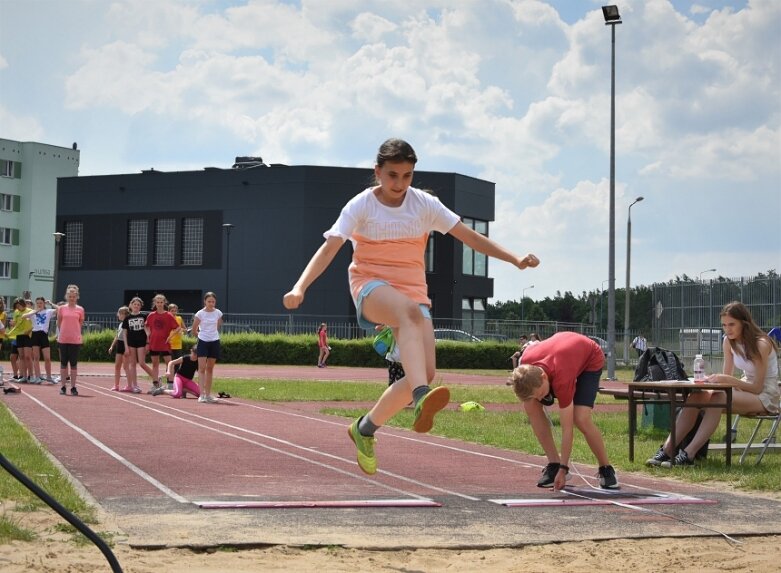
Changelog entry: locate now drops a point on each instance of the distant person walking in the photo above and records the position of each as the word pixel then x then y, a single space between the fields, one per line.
pixel 322 344
pixel 206 328
pixel 640 344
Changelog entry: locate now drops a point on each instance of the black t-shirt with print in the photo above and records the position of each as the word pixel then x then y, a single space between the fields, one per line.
pixel 134 324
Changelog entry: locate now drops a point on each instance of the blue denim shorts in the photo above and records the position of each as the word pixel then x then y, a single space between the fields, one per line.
pixel 366 291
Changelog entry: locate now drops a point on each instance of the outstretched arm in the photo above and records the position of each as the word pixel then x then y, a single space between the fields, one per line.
pixel 319 262
pixel 484 245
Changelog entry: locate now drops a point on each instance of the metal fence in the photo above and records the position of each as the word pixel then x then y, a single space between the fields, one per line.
pixel 686 314
pixel 685 319
pixel 347 328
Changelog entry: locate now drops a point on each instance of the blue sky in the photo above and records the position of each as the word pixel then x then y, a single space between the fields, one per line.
pixel 516 92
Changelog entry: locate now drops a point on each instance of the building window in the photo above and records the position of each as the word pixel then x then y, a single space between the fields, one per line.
pixel 429 255
pixel 475 263
pixel 192 241
pixel 6 168
pixel 74 244
pixel 473 315
pixel 165 239
pixel 5 270
pixel 6 236
pixel 6 202
pixel 137 242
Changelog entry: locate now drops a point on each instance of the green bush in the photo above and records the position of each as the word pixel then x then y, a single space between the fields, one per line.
pixel 251 348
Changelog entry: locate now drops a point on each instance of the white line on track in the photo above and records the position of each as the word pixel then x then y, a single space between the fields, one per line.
pixel 97 443
pixel 142 403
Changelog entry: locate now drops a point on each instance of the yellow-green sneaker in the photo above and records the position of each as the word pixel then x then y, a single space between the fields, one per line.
pixel 428 406
pixel 367 461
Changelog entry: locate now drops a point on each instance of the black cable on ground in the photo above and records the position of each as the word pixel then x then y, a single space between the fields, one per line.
pixel 67 515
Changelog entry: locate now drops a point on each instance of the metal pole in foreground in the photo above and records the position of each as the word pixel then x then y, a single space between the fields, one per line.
pixel 611 19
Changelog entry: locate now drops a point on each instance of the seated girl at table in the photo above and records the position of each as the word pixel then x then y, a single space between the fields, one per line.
pixel 752 351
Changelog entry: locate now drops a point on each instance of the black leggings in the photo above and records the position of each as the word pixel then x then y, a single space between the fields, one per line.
pixel 69 354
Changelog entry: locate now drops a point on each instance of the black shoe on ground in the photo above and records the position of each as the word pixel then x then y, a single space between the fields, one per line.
pixel 658 459
pixel 74 392
pixel 63 390
pixel 682 459
pixel 549 475
pixel 607 478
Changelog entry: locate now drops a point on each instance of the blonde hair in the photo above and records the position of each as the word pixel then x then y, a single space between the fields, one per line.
pixel 525 380
pixel 123 310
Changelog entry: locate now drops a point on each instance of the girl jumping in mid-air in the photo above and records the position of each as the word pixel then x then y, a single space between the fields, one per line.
pixel 389 225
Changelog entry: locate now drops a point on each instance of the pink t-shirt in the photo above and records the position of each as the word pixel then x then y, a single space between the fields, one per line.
pixel 69 321
pixel 389 242
pixel 565 356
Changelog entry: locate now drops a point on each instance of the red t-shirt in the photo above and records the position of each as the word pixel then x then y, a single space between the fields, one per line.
pixel 565 356
pixel 323 342
pixel 160 325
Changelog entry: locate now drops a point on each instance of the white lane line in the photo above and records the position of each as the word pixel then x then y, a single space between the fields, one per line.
pixel 141 403
pixel 100 445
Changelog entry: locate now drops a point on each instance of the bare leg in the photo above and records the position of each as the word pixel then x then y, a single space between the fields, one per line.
pixel 541 428
pixel 585 424
pixel 415 337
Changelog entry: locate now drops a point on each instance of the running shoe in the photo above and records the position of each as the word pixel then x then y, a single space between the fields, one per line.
pixel 607 478
pixel 428 406
pixel 682 459
pixel 658 458
pixel 74 392
pixel 157 391
pixel 63 390
pixel 548 475
pixel 367 461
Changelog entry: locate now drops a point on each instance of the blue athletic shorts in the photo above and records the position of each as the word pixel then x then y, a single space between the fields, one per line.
pixel 366 291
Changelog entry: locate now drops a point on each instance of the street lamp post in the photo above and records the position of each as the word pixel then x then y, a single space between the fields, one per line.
pixel 628 264
pixel 612 18
pixel 523 295
pixel 710 302
pixel 57 238
pixel 228 228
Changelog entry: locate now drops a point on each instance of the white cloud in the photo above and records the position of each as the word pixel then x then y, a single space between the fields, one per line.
pixel 20 127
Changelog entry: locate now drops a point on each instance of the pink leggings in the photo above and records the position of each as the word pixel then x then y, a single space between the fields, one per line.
pixel 181 384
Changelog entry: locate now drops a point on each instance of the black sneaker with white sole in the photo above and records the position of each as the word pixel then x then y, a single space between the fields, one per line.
pixel 607 478
pixel 658 458
pixel 682 459
pixel 549 475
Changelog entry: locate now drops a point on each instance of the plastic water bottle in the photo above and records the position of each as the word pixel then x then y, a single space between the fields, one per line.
pixel 699 369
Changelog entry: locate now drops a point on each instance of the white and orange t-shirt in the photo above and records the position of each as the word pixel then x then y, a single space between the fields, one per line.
pixel 389 242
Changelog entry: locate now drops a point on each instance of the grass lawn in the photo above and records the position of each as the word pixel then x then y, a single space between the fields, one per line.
pixel 21 449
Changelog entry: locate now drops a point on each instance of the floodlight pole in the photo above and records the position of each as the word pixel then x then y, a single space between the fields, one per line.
pixel 611 293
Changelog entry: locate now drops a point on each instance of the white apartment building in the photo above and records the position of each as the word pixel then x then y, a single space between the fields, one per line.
pixel 28 212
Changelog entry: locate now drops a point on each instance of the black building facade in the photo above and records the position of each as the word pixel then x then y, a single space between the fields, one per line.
pixel 246 234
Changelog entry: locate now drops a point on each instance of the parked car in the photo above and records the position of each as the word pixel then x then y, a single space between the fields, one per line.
pixel 452 334
pixel 602 343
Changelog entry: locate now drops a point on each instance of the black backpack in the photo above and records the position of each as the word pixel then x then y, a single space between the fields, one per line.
pixel 659 364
